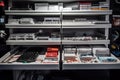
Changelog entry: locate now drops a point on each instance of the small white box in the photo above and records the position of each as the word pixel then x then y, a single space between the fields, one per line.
pixel 101 51
pixel 53 7
pixel 60 6
pixel 41 6
pixel 84 50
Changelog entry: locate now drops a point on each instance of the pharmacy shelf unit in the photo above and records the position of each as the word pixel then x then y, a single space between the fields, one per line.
pixel 79 26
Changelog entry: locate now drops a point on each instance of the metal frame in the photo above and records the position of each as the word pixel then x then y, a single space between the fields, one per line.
pixel 54 0
pixel 51 12
pixel 91 66
pixel 33 26
pixel 88 42
pixel 64 25
pixel 33 42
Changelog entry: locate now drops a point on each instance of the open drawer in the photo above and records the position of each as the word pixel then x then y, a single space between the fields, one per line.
pixel 77 60
pixel 12 61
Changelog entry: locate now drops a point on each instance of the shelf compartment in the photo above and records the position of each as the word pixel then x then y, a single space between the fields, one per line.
pixel 33 42
pixel 31 12
pixel 86 59
pixel 71 42
pixel 64 25
pixel 33 25
pixel 84 25
pixel 26 66
pixel 58 12
pixel 87 12
pixel 98 65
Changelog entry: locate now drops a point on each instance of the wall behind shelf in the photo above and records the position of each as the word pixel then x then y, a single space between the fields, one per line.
pixel 116 11
pixel 115 7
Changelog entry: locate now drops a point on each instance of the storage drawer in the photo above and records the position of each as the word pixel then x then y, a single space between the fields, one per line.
pixel 75 60
pixel 5 63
